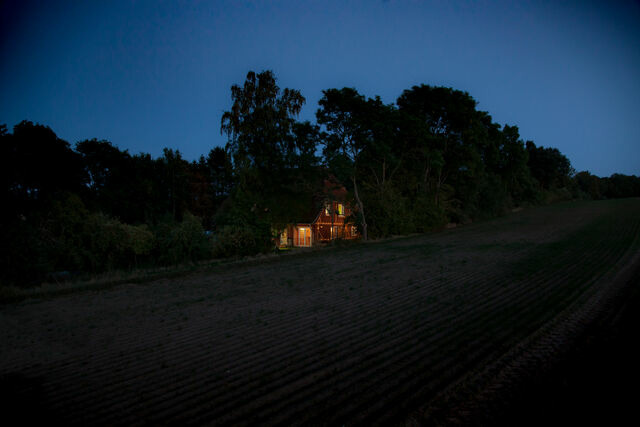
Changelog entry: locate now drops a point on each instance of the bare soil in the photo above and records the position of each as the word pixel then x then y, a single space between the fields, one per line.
pixel 456 327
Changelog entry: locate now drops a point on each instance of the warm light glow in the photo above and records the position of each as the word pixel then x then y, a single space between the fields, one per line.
pixel 304 236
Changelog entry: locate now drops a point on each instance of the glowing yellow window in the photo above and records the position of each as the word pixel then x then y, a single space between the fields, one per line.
pixel 340 209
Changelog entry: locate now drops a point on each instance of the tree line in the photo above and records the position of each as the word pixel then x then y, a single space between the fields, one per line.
pixel 428 159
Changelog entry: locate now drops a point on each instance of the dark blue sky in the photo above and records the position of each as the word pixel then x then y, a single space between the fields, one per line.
pixel 148 74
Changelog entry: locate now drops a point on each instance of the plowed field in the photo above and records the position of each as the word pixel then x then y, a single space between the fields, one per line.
pixel 403 330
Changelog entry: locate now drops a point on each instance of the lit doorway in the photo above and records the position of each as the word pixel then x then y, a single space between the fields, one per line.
pixel 304 236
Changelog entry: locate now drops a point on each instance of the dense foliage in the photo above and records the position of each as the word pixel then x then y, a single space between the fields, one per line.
pixel 427 160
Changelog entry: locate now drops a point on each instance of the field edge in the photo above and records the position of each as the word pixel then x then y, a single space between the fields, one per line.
pixel 484 396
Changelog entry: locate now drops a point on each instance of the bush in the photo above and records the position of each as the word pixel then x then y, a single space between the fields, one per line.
pixel 25 256
pixel 179 242
pixel 556 195
pixel 111 244
pixel 493 199
pixel 427 215
pixel 241 240
pixel 106 243
pixel 387 212
pixel 66 240
pixel 62 230
pixel 140 242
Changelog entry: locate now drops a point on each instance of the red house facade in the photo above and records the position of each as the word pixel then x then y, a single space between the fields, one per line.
pixel 333 220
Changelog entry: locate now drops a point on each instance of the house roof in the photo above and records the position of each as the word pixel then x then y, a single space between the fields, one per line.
pixel 330 189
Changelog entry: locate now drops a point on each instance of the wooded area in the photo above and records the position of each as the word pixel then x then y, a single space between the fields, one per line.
pixel 429 159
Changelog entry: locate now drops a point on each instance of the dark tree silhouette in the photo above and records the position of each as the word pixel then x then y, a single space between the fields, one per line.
pixel 259 123
pixel 343 113
pixel 429 159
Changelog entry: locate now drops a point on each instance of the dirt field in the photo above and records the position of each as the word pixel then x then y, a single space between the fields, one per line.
pixel 445 328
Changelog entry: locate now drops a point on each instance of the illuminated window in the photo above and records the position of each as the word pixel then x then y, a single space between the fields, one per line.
pixel 326 209
pixel 340 209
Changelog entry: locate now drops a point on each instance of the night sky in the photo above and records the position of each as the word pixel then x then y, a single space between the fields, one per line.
pixel 147 75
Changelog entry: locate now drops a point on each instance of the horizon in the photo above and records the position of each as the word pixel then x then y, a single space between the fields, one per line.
pixel 146 76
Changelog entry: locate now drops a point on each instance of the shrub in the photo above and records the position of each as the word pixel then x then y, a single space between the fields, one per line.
pixel 387 212
pixel 427 215
pixel 241 240
pixel 107 243
pixel 140 242
pixel 178 242
pixel 556 195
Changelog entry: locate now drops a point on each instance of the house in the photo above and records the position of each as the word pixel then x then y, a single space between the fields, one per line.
pixel 331 219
